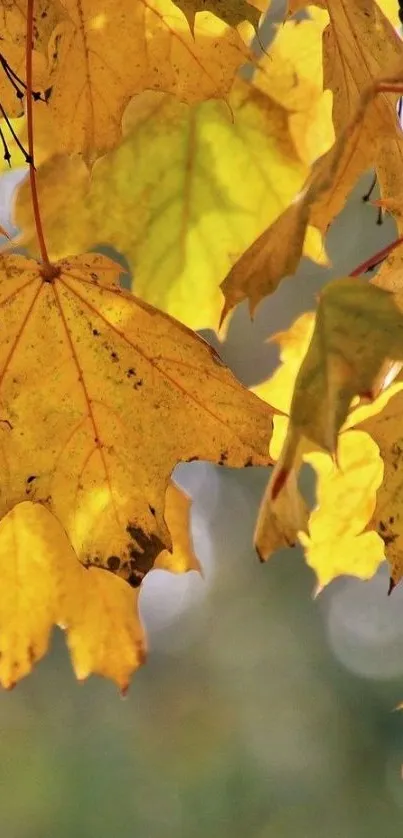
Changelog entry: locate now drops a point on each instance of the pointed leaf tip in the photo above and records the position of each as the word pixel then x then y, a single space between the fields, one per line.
pixel 392 585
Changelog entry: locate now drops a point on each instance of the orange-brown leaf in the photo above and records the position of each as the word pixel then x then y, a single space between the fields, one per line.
pixel 104 56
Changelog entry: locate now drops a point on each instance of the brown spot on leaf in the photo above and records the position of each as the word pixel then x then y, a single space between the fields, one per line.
pixel 389 538
pixel 113 563
pixel 143 551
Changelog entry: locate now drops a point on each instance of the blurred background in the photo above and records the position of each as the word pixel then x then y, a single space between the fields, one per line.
pixel 261 712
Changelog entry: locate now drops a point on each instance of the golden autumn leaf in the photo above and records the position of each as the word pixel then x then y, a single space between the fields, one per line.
pixel 354 498
pixel 177 515
pixel 113 395
pixel 45 585
pixel 391 10
pixel 358 331
pixel 277 251
pixel 334 535
pixel 336 543
pixel 281 519
pixel 359 46
pixel 190 214
pixel 293 344
pixel 291 74
pixel 95 69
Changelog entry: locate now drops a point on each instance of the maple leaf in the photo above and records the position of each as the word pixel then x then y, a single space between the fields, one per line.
pixel 114 395
pixel 336 542
pixel 177 515
pixel 280 520
pixel 359 46
pixel 277 251
pixel 391 10
pixel 358 330
pixel 333 535
pixel 190 214
pixel 95 71
pixel 45 585
pixel 291 74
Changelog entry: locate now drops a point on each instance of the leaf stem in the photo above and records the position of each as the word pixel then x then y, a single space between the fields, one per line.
pixel 30 126
pixel 376 258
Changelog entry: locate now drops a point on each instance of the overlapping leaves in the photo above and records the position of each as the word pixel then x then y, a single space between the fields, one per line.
pixel 204 179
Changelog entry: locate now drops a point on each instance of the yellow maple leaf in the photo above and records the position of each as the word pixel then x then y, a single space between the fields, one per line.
pixel 190 214
pixel 114 394
pixel 293 344
pixel 333 535
pixel 45 585
pixel 291 74
pixel 277 251
pixel 336 542
pixel 96 70
pixel 177 515
pixel 358 331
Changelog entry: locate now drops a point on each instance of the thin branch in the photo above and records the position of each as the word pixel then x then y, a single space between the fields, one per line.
pixel 376 258
pixel 30 126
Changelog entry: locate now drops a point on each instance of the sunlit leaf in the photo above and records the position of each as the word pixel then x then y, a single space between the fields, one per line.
pixel 336 543
pixel 102 56
pixel 101 395
pixel 190 214
pixel 278 250
pixel 44 585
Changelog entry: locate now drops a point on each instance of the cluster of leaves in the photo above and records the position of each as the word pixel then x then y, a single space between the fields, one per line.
pixel 139 131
